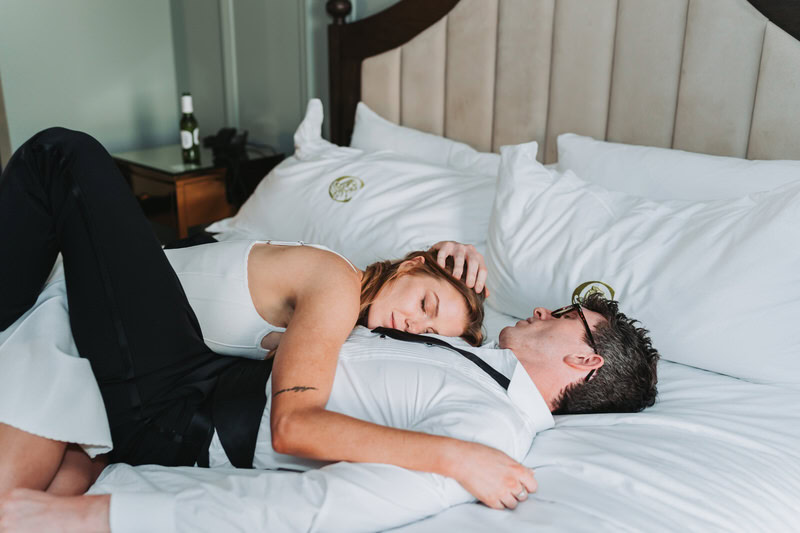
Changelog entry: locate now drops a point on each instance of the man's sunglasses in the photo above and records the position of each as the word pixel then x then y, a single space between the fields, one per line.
pixel 558 313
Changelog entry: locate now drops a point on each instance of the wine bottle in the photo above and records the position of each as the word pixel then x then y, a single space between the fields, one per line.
pixel 190 134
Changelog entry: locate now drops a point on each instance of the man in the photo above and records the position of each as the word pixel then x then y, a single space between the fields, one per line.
pixel 577 359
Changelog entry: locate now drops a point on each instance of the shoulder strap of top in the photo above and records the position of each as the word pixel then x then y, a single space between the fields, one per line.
pixel 319 246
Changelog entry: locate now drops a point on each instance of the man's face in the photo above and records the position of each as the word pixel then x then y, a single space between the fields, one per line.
pixel 543 339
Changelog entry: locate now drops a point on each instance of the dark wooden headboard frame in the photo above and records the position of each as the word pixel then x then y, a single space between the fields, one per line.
pixel 349 44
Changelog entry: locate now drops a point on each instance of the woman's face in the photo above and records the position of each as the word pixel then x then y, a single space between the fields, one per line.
pixel 419 303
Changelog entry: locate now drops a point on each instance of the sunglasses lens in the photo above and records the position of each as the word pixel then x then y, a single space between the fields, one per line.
pixel 563 311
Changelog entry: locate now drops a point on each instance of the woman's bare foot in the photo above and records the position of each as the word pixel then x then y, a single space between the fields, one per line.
pixel 31 511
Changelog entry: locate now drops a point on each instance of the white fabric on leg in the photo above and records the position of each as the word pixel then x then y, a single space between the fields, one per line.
pixel 46 388
pixel 340 497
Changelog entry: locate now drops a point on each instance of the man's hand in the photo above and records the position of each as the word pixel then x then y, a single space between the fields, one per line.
pixel 491 476
pixel 32 511
pixel 461 253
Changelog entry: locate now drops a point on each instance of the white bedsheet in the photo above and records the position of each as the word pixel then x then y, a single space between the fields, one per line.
pixel 714 454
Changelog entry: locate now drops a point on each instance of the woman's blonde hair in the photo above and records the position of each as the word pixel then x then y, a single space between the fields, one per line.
pixel 378 274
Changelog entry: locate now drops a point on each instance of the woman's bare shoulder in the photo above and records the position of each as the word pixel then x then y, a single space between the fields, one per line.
pixel 307 266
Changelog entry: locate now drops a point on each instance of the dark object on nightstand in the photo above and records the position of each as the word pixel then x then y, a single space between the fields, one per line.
pixel 195 239
pixel 229 149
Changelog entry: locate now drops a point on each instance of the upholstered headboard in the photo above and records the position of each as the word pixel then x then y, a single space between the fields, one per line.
pixel 710 76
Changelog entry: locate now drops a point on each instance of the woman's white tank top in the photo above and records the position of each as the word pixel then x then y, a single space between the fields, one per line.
pixel 214 277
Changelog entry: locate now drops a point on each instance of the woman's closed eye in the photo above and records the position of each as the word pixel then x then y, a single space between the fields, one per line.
pixel 423 304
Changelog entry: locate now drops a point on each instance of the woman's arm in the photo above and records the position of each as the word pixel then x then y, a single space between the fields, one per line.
pixel 326 302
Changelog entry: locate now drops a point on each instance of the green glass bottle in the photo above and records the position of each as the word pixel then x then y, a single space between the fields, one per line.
pixel 190 134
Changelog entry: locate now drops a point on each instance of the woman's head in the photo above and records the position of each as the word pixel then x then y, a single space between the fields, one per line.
pixel 415 294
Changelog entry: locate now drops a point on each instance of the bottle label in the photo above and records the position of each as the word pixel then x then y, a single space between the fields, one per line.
pixel 186 139
pixel 196 136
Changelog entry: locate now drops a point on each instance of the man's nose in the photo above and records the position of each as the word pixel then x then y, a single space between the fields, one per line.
pixel 542 313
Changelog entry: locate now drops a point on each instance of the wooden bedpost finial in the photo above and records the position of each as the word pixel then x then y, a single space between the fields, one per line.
pixel 338 9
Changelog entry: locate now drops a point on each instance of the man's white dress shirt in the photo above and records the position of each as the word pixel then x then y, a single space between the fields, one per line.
pixel 381 380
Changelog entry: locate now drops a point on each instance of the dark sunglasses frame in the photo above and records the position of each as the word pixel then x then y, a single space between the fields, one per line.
pixel 558 313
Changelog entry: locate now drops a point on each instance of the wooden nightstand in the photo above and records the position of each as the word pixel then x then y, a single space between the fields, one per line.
pixel 180 196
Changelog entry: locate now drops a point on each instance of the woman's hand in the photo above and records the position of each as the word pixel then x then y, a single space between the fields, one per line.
pixel 491 476
pixel 461 253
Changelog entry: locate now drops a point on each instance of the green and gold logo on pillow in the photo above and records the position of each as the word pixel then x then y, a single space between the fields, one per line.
pixel 590 287
pixel 344 188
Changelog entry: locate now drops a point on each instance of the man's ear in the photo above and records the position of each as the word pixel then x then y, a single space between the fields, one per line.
pixel 584 362
pixel 409 264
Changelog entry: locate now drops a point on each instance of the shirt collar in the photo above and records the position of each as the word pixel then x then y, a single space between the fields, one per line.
pixel 521 391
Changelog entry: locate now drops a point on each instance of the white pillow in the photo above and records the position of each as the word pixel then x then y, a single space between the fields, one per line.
pixel 717 283
pixel 664 174
pixel 373 132
pixel 367 206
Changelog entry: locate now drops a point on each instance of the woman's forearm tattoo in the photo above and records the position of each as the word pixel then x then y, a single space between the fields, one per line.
pixel 294 389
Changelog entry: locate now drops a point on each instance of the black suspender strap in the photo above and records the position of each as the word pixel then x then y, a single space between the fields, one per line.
pixel 432 341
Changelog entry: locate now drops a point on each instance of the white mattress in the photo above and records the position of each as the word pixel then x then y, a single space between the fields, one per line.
pixel 714 454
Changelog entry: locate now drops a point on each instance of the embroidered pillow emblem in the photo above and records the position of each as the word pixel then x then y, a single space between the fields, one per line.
pixel 344 188
pixel 590 287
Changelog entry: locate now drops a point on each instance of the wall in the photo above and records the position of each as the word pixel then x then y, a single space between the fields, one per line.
pixel 115 68
pixel 271 69
pixel 274 57
pixel 365 8
pixel 199 69
pixel 106 67
pixel 245 63
pixel 5 140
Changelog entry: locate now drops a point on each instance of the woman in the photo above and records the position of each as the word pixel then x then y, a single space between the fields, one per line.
pixel 160 383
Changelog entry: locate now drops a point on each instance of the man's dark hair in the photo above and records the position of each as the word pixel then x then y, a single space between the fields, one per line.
pixel 627 380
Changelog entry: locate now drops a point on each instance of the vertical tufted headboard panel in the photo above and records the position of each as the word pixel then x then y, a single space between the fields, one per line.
pixel 710 76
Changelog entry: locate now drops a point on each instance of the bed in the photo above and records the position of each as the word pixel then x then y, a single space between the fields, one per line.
pixel 647 108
